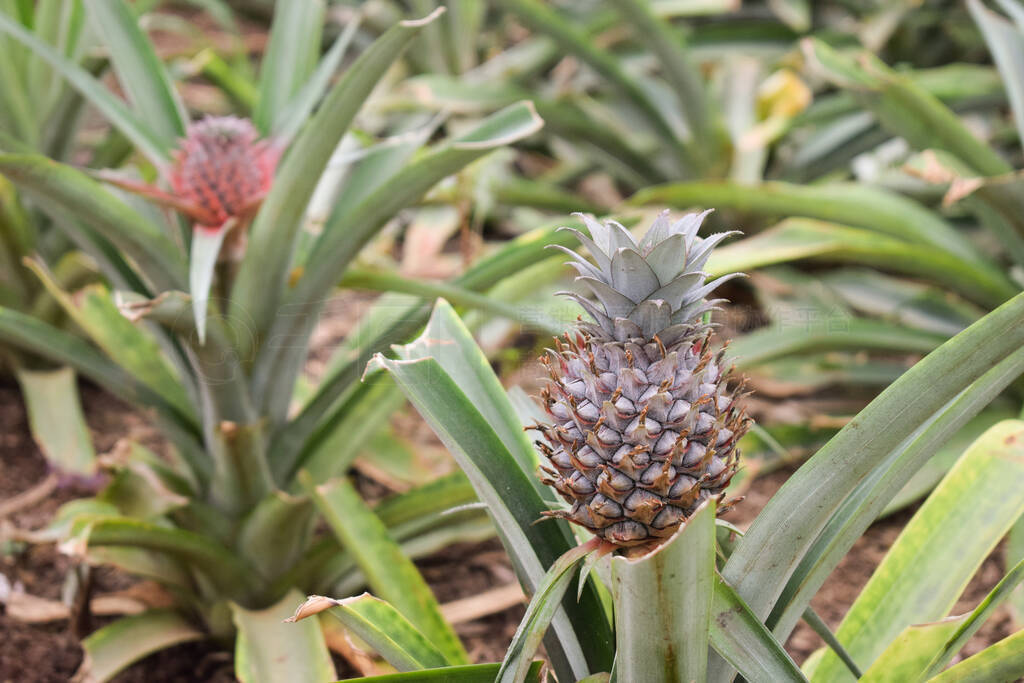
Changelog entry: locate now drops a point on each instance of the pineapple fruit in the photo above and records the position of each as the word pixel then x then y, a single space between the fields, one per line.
pixel 644 415
pixel 222 170
pixel 220 173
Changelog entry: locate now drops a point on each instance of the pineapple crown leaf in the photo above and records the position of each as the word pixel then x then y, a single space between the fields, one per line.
pixel 647 286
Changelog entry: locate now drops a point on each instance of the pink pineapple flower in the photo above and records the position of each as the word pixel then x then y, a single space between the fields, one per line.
pixel 220 173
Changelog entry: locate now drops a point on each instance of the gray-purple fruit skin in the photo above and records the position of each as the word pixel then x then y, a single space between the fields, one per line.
pixel 644 416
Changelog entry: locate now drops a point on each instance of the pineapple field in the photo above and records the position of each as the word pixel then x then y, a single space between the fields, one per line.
pixel 588 341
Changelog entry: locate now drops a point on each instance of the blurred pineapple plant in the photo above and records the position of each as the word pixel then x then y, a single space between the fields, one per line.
pixel 645 92
pixel 665 591
pixel 724 110
pixel 40 113
pixel 205 323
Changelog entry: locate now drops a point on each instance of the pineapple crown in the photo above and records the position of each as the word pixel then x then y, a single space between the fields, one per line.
pixel 654 287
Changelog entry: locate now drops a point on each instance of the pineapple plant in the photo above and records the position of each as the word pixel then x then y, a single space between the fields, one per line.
pixel 644 415
pixel 254 458
pixel 696 599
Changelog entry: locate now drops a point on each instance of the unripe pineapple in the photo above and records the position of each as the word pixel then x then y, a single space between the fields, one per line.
pixel 644 421
pixel 222 170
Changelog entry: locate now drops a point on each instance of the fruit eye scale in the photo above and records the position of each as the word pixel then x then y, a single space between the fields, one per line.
pixel 646 422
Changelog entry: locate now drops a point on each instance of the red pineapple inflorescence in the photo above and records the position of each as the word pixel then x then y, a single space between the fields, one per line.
pixel 222 170
pixel 220 173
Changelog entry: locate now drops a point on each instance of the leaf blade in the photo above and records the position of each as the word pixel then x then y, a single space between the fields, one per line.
pixel 77 194
pixel 655 639
pixel 380 626
pixel 939 550
pixel 117 645
pixel 850 204
pixel 513 501
pixel 133 126
pixel 139 70
pixel 56 420
pixel 739 637
pixel 390 573
pixel 268 650
pixel 290 59
pixel 803 506
pixel 274 230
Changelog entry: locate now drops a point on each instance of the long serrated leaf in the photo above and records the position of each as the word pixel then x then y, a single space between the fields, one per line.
pixel 290 58
pixel 94 310
pixel 999 662
pixel 939 550
pixel 1006 43
pixel 908 110
pixel 64 348
pixel 142 563
pixel 539 613
pixel 129 639
pixel 462 35
pixel 679 70
pixel 60 25
pixel 390 573
pixel 856 205
pixel 274 231
pixel 904 107
pixel 1015 553
pixel 268 650
pixel 290 119
pixel 56 420
pixel 514 503
pixel 447 340
pixel 472 673
pixel 921 307
pixel 344 577
pixel 909 653
pixel 406 515
pixel 976 619
pixel 395 319
pixel 228 572
pixel 329 451
pixel 354 174
pixel 345 234
pixel 139 71
pixel 563 117
pixel 381 281
pixel 932 472
pixel 744 642
pixel 803 238
pixel 663 605
pixel 836 332
pixel 761 564
pixel 131 124
pixel 16 107
pixel 540 17
pixel 865 503
pixel 276 533
pixel 382 627
pixel 819 626
pixel 72 191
